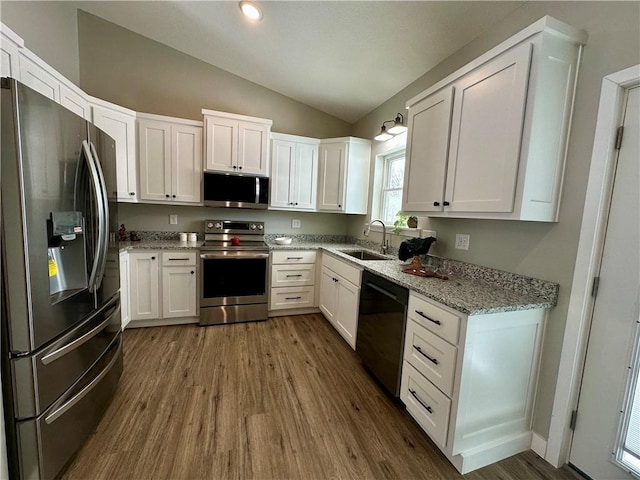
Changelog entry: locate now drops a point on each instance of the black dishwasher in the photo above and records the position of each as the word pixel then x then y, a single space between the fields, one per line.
pixel 381 325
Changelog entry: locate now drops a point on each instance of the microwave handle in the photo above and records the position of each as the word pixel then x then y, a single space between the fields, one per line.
pixel 257 190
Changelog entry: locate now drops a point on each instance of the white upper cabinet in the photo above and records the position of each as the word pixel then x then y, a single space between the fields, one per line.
pixel 343 183
pixel 120 124
pixel 294 172
pixel 494 133
pixel 236 143
pixel 170 159
pixel 36 76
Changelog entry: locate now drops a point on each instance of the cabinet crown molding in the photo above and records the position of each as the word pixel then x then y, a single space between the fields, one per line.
pixel 235 116
pixel 545 24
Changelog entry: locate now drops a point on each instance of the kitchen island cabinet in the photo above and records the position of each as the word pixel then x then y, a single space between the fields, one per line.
pixel 489 141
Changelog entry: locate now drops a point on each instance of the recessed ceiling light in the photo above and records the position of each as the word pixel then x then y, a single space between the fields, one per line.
pixel 252 11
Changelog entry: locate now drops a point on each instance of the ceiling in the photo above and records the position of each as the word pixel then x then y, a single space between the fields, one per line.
pixel 344 58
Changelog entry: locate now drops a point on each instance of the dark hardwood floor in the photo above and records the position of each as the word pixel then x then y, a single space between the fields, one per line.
pixel 282 399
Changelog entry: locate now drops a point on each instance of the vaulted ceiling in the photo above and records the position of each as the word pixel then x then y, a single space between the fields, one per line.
pixel 342 57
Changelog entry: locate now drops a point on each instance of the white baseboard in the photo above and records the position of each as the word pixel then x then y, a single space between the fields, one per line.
pixel 490 453
pixel 538 445
pixel 292 311
pixel 161 322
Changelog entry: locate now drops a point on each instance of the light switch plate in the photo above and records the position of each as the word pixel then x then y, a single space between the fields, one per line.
pixel 462 241
pixel 173 219
pixel 295 223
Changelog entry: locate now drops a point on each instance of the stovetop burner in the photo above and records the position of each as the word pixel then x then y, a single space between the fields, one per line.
pixel 233 235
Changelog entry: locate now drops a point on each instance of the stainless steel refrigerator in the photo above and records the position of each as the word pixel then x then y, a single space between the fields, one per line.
pixel 61 335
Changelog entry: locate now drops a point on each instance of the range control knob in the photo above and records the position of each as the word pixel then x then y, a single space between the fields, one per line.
pixel 260 227
pixel 218 225
pixel 209 224
pixel 253 226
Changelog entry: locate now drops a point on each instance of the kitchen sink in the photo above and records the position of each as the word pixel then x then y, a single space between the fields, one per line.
pixel 364 255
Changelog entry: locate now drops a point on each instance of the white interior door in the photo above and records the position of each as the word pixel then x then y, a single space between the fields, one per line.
pixel 615 316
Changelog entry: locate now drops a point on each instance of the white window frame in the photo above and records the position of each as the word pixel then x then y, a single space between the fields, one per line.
pixel 387 161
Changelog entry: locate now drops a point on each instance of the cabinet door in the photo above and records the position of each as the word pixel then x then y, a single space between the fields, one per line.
pixel 179 294
pixel 305 176
pixel 154 142
pixel 144 289
pixel 346 317
pixel 125 309
pixel 122 128
pixel 73 99
pixel 186 163
pixel 486 132
pixel 427 148
pixel 252 148
pixel 36 77
pixel 282 160
pixel 222 144
pixel 333 158
pixel 328 291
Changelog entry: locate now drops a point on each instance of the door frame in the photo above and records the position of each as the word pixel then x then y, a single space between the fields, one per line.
pixel 588 259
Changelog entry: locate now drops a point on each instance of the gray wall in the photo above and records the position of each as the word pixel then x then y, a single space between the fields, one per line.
pixel 50 29
pixel 191 219
pixel 539 250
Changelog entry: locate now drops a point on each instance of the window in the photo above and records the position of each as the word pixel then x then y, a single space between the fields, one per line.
pixel 392 181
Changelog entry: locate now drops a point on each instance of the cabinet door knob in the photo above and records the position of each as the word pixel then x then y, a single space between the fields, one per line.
pixel 296 203
pixel 436 204
pixel 192 272
pixel 153 258
pixel 132 193
pixel 445 203
pixel 240 167
pixel 339 206
pixel 173 196
pixel 235 167
pixel 166 195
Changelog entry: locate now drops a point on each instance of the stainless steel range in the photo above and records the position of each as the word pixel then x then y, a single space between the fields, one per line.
pixel 233 266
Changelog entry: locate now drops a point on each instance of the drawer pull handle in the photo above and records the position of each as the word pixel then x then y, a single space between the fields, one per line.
pixel 431 359
pixel 292 298
pixel 298 275
pixel 294 258
pixel 415 395
pixel 437 322
pixel 178 259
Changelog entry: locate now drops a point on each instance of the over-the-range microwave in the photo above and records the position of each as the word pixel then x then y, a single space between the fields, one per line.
pixel 233 190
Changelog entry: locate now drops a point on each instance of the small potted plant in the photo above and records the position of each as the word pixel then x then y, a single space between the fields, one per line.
pixel 404 221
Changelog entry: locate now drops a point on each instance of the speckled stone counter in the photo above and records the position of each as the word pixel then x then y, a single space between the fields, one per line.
pixel 471 289
pixel 160 245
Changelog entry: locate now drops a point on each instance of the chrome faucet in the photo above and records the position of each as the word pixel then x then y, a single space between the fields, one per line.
pixel 384 244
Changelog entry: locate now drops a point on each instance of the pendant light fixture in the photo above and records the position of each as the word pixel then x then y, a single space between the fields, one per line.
pixel 398 127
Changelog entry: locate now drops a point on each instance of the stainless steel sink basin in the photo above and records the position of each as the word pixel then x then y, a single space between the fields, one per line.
pixel 364 255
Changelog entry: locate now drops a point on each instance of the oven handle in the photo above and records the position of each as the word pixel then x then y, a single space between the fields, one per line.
pixel 232 255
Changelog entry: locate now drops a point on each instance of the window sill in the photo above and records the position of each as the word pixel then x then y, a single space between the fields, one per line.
pixel 402 231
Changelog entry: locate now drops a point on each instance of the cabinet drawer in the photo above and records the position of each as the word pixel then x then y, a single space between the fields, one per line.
pixel 292 275
pixel 431 356
pixel 348 272
pixel 176 258
pixel 292 257
pixel 291 297
pixel 443 323
pixel 426 404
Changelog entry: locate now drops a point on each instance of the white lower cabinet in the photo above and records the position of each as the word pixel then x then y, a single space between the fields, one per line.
pixel 340 296
pixel 469 381
pixel 293 280
pixel 163 285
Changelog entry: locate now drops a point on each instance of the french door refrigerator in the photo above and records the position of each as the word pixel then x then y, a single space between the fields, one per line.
pixel 61 336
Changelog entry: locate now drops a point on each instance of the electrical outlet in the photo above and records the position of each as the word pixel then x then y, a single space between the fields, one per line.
pixel 462 241
pixel 173 219
pixel 295 223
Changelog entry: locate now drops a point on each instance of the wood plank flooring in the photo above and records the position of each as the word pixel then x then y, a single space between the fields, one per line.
pixel 281 399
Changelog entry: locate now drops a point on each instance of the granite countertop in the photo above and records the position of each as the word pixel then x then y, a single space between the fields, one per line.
pixel 482 291
pixel 160 245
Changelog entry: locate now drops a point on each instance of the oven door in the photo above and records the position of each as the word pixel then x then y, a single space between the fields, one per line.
pixel 233 278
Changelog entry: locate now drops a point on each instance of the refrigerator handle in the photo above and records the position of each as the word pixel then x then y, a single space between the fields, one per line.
pixel 104 227
pixel 95 179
